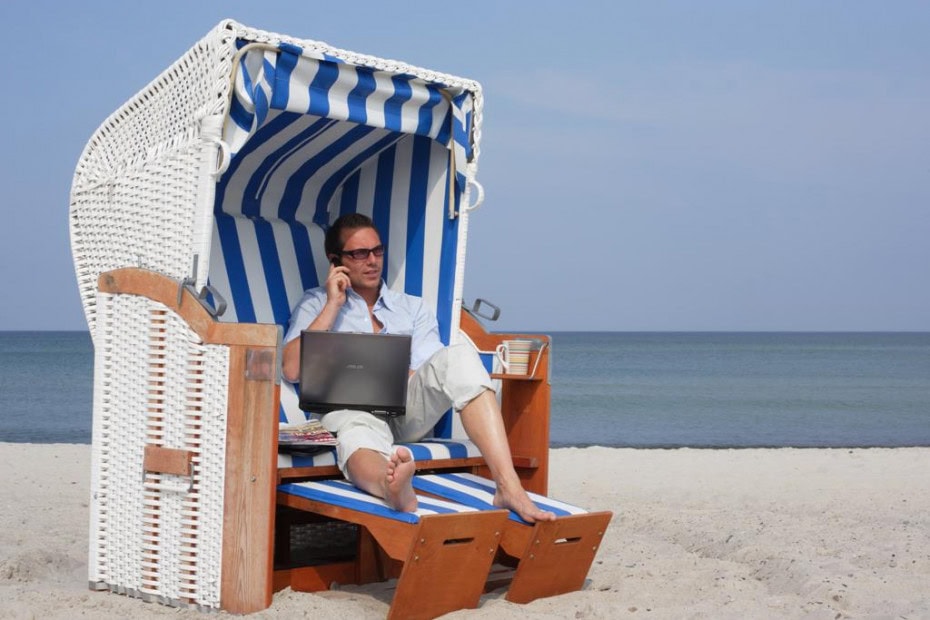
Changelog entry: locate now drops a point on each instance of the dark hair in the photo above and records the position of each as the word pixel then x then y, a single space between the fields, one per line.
pixel 350 221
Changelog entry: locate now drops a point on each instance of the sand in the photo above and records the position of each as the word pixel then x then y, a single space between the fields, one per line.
pixel 786 533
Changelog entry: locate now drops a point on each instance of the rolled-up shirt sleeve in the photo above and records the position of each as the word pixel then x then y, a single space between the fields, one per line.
pixel 308 308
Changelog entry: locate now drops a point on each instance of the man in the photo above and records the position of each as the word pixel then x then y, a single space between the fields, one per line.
pixel 354 298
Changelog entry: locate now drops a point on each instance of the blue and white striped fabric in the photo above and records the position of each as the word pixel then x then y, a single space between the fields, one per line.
pixel 307 82
pixel 312 138
pixel 478 492
pixel 284 188
pixel 442 449
pixel 432 449
pixel 305 459
pixel 343 494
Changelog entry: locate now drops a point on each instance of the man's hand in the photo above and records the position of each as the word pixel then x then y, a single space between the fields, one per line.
pixel 336 284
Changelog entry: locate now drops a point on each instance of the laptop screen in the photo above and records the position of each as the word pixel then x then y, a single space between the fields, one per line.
pixel 367 372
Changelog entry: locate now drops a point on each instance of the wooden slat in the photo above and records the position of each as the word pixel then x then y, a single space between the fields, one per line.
pixel 317 473
pixel 161 460
pixel 315 578
pixel 248 511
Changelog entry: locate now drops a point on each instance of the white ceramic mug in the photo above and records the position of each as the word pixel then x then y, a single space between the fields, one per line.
pixel 514 356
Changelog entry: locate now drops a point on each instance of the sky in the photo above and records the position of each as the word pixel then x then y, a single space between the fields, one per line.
pixel 648 166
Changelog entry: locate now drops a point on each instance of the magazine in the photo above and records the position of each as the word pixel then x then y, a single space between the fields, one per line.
pixel 310 433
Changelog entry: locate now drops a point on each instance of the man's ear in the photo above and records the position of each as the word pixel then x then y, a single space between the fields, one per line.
pixel 334 259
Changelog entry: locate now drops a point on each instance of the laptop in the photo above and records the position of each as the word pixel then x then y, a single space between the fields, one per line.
pixel 343 370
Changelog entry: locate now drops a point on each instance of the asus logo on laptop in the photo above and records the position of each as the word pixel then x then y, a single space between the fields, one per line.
pixel 355 366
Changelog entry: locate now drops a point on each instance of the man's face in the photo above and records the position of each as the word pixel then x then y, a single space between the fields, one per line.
pixel 363 273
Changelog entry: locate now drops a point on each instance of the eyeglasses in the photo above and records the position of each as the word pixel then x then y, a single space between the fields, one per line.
pixel 362 253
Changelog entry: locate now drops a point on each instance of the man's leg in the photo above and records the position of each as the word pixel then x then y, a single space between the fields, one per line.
pixel 454 377
pixel 389 479
pixel 366 458
pixel 485 426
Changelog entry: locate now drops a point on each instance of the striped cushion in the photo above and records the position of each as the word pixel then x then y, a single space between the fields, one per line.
pixel 478 492
pixel 298 459
pixel 431 449
pixel 344 494
pixel 437 448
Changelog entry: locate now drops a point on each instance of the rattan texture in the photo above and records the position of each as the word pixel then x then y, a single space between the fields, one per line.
pixel 141 219
pixel 133 197
pixel 158 536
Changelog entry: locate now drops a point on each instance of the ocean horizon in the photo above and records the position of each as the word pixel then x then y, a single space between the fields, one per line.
pixel 668 389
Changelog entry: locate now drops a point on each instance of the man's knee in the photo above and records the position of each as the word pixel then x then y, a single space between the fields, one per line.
pixel 356 430
pixel 453 376
pixel 456 360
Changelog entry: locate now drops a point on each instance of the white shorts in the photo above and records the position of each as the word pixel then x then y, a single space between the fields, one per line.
pixel 452 377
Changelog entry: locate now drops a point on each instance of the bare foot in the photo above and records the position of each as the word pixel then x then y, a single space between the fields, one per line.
pixel 398 485
pixel 518 501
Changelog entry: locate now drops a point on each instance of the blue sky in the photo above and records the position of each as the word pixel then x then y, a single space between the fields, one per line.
pixel 668 165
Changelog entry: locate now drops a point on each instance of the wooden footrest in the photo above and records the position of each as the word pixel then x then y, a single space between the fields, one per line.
pixel 446 548
pixel 553 557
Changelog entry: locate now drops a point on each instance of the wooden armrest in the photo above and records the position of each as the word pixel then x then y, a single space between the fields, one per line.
pixel 164 290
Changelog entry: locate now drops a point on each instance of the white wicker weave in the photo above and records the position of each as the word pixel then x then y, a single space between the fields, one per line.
pixel 159 538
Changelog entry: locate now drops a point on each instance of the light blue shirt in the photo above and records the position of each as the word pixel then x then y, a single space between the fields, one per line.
pixel 399 313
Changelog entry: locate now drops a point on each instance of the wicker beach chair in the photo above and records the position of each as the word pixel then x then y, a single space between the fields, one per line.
pixel 197 216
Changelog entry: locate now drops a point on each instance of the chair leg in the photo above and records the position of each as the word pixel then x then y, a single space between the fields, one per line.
pixel 370 559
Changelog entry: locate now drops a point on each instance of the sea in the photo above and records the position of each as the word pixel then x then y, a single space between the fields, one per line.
pixel 618 389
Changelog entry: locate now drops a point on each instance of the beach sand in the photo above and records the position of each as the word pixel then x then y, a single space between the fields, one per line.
pixel 785 533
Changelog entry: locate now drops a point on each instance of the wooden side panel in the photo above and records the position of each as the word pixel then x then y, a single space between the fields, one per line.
pixel 526 417
pixel 251 454
pixel 447 565
pixel 557 556
pixel 525 403
pixel 251 438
